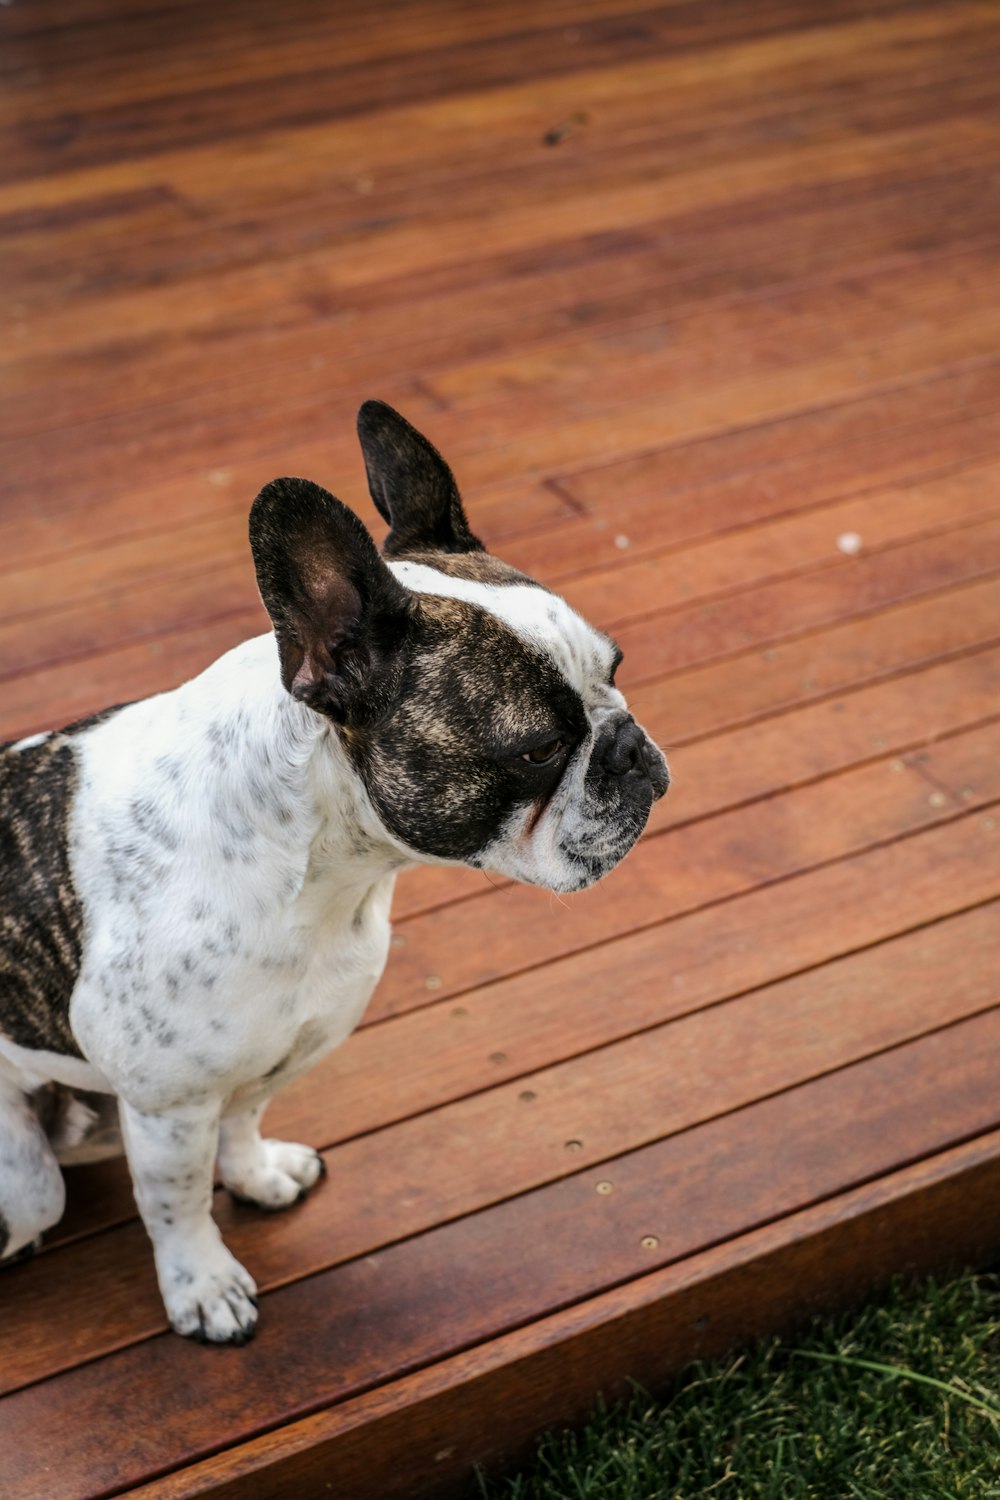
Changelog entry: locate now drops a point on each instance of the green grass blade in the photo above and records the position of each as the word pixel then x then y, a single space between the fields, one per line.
pixel 900 1373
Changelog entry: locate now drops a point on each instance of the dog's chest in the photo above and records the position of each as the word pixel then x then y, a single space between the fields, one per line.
pixel 307 980
pixel 233 933
pixel 236 999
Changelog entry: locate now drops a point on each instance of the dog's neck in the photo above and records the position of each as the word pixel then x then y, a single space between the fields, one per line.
pixel 271 763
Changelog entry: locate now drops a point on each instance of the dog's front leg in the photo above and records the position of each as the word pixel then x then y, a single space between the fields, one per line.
pixel 207 1293
pixel 270 1174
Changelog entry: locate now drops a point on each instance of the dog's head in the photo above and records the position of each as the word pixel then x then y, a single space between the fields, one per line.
pixel 479 710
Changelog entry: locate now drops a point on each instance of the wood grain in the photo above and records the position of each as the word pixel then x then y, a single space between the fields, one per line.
pixel 687 293
pixel 512 1139
pixel 430 1296
pixel 421 1436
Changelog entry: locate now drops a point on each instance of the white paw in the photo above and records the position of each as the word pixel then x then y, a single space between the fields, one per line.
pixel 280 1174
pixel 209 1298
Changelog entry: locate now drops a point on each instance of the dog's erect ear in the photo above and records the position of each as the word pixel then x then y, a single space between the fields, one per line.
pixel 339 615
pixel 412 486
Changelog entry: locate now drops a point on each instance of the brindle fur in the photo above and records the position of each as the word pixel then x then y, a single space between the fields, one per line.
pixel 40 918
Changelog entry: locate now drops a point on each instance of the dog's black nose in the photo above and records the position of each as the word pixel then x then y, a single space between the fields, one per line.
pixel 625 750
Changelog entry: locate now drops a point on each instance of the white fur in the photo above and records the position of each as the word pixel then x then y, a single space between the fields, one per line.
pixel 31 740
pixel 214 853
pixel 235 889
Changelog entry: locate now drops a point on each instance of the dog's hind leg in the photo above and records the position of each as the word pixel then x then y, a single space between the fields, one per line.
pixel 32 1191
pixel 269 1174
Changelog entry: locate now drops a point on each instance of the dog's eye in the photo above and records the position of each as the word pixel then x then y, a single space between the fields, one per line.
pixel 619 655
pixel 543 753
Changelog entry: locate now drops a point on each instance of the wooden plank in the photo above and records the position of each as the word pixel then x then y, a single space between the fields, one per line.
pixel 430 320
pixel 745 477
pixel 426 1298
pixel 506 1030
pixel 715 345
pixel 432 316
pixel 660 644
pixel 444 1052
pixel 697 633
pixel 161 55
pixel 406 136
pixel 224 53
pixel 528 435
pixel 228 110
pixel 708 698
pixel 884 719
pixel 151 666
pixel 201 182
pixel 745 688
pixel 700 488
pixel 422 1434
pixel 772 548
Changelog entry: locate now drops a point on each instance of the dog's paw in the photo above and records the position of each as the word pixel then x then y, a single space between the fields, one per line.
pixel 26 1252
pixel 214 1302
pixel 280 1174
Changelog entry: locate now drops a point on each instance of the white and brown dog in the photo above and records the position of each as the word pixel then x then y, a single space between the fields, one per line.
pixel 195 888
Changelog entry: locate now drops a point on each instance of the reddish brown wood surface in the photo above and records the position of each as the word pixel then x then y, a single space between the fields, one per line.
pixel 687 293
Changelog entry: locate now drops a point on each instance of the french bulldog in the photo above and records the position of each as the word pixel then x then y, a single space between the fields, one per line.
pixel 195 888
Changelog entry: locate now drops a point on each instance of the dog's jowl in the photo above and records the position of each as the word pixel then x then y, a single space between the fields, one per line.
pixel 195 888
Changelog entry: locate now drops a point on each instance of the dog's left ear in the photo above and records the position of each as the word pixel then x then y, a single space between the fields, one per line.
pixel 339 615
pixel 412 486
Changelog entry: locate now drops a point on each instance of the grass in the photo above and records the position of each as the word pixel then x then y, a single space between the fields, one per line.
pixel 900 1401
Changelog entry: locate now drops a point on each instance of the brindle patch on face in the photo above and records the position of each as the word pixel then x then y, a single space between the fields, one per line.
pixel 40 919
pixel 444 770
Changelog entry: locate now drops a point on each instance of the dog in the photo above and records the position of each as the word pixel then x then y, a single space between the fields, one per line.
pixel 195 887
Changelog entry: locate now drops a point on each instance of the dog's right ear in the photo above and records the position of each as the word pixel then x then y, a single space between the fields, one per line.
pixel 412 486
pixel 339 615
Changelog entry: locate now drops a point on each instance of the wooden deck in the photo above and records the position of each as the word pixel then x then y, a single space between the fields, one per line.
pixel 687 293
